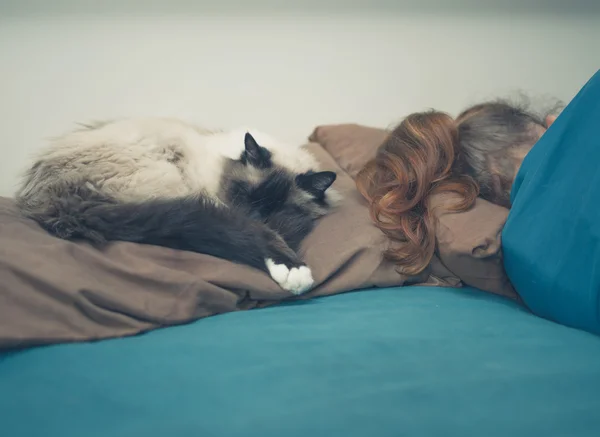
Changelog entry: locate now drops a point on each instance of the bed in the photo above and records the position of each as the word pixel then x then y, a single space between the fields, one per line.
pixel 367 353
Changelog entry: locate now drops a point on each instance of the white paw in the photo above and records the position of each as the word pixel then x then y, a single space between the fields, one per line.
pixel 296 280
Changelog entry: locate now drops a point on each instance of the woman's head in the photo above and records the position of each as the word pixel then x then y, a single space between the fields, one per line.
pixel 493 139
pixel 430 153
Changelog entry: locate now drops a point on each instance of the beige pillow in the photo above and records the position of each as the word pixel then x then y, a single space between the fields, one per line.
pixel 468 243
pixel 351 145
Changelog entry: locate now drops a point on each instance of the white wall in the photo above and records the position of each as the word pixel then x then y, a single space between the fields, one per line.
pixel 281 71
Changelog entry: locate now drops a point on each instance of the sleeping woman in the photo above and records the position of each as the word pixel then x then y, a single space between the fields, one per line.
pixel 551 240
pixel 430 153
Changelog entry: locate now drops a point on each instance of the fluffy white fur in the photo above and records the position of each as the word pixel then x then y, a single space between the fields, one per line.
pixel 130 159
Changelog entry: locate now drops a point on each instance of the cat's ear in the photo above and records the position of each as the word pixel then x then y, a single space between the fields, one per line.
pixel 316 183
pixel 254 154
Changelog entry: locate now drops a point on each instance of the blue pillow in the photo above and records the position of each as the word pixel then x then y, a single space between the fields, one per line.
pixel 551 240
pixel 414 361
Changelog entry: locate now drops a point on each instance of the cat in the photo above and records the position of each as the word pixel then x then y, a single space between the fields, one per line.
pixel 169 183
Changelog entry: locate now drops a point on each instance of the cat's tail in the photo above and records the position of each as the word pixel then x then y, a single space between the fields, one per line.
pixel 193 223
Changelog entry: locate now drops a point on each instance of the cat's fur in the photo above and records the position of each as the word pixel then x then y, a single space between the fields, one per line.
pixel 169 183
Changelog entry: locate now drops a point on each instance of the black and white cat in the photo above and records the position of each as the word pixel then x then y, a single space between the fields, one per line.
pixel 168 183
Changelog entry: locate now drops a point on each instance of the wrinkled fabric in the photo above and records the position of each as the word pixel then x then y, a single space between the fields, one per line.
pixel 552 237
pixel 412 361
pixel 55 291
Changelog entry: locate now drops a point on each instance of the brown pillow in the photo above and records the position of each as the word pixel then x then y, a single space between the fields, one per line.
pixel 351 145
pixel 52 290
pixel 468 243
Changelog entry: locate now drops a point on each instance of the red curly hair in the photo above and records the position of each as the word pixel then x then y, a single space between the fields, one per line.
pixel 416 161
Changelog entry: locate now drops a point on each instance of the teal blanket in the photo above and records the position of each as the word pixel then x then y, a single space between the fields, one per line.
pixel 413 361
pixel 551 240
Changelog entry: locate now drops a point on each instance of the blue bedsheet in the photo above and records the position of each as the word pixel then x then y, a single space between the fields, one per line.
pixel 380 363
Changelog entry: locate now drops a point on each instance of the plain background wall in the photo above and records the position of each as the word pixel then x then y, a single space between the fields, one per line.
pixel 282 69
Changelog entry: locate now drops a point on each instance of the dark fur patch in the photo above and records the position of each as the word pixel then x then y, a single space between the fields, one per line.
pixel 287 203
pixel 316 183
pixel 189 223
pixel 176 157
pixel 292 223
pixel 254 154
pixel 270 195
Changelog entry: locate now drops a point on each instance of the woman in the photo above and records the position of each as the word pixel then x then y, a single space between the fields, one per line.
pixel 430 154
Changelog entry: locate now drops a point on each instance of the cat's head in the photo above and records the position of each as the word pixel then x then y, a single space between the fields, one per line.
pixel 263 184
